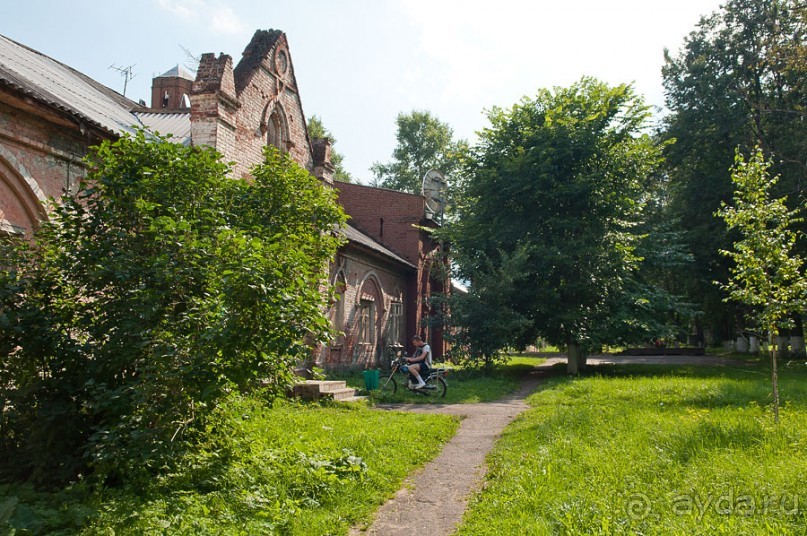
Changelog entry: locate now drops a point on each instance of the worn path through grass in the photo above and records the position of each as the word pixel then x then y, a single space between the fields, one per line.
pixel 434 499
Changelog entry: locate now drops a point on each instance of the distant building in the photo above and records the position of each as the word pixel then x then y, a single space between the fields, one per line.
pixel 51 114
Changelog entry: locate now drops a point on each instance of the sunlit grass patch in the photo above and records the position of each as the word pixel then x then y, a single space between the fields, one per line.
pixel 651 451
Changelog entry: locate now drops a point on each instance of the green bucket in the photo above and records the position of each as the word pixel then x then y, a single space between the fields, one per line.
pixel 371 380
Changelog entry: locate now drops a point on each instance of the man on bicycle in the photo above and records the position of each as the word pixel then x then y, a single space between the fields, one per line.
pixel 420 362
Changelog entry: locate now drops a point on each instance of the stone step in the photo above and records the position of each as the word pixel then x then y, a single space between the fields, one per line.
pixel 339 394
pixel 315 389
pixel 327 385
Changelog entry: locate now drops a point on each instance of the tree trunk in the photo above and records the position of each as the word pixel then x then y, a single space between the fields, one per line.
pixel 797 345
pixel 699 336
pixel 571 360
pixel 575 358
pixel 774 376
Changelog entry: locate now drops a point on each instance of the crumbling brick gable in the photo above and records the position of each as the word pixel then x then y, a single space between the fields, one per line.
pixel 256 53
pixel 240 110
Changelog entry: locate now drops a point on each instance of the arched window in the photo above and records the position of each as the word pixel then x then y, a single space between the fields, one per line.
pixel 367 311
pixel 366 315
pixel 277 129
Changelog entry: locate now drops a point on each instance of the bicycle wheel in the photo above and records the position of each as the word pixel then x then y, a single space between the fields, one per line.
pixel 435 387
pixel 387 385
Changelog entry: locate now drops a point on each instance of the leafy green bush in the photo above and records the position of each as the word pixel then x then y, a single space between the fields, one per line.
pixel 160 287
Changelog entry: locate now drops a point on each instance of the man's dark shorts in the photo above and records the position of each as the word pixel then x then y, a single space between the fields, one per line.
pixel 424 371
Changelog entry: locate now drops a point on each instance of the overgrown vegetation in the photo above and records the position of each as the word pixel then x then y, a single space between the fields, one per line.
pixel 262 468
pixel 156 300
pixel 651 450
pixel 156 290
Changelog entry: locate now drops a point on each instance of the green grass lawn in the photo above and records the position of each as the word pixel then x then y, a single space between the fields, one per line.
pixel 633 450
pixel 285 469
pixel 288 469
pixel 652 450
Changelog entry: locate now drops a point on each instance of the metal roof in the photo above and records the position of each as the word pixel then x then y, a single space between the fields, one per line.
pixel 178 125
pixel 55 84
pixel 178 72
pixel 356 236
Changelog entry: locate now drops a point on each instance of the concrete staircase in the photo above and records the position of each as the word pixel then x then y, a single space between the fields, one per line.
pixel 337 391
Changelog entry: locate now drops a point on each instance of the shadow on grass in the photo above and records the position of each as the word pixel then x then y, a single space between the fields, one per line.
pixel 722 386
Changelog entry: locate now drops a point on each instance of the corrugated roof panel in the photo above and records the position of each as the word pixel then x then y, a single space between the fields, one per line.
pixel 176 124
pixel 56 84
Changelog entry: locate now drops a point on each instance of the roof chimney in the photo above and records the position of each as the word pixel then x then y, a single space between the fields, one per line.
pixel 323 168
pixel 171 90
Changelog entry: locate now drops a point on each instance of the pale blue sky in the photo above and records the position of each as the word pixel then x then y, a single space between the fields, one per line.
pixel 360 62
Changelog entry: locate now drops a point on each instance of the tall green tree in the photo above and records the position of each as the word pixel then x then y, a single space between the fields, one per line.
pixel 552 204
pixel 157 289
pixel 738 81
pixel 424 143
pixel 767 274
pixel 316 129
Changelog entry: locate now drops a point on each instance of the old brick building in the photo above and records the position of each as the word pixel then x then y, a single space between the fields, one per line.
pixel 50 114
pixel 396 220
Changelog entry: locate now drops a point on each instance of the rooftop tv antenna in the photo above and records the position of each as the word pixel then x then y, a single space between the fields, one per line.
pixel 126 73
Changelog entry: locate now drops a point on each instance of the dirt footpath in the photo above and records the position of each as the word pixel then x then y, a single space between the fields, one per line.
pixel 433 500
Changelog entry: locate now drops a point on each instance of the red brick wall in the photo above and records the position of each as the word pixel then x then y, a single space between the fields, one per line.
pixel 387 216
pixel 40 157
pixel 175 86
pixel 391 218
pixel 213 105
pixel 356 267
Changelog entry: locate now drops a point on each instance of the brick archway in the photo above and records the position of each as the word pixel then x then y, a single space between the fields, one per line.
pixel 21 200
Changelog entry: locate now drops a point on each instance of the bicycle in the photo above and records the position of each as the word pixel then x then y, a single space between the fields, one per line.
pixel 436 385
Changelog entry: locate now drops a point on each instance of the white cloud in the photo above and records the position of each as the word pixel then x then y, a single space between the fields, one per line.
pixel 218 17
pixel 184 9
pixel 225 21
pixel 494 52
